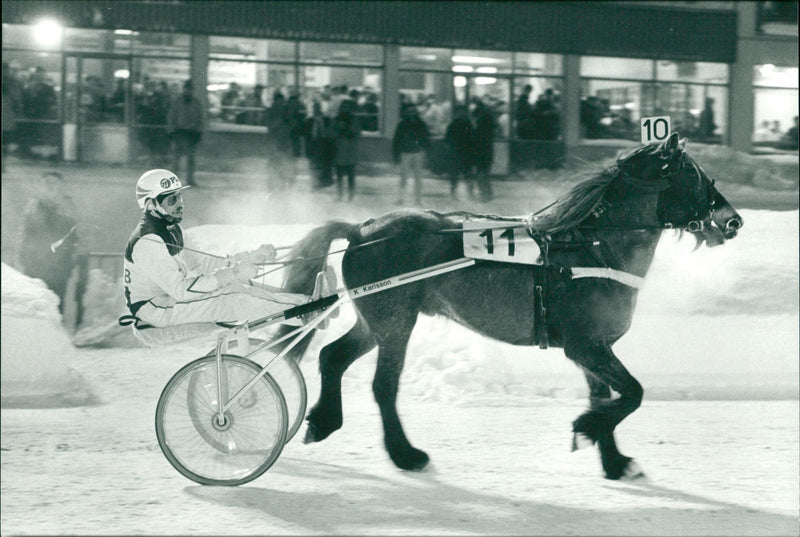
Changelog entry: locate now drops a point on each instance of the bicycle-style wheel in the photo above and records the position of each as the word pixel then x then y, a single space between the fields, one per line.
pixel 287 374
pixel 250 437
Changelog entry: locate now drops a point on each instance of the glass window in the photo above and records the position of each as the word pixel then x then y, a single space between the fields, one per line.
pixel 432 93
pixel 80 40
pixel 329 86
pixel 481 61
pixel 251 49
pixel 601 67
pixel 425 58
pixel 612 108
pixel 154 83
pixel 537 108
pixel 36 77
pixel 775 118
pixel 540 64
pixel 715 73
pixel 341 53
pixel 775 106
pixel 779 18
pixel 159 44
pixel 239 92
pixel 696 111
pixel 769 75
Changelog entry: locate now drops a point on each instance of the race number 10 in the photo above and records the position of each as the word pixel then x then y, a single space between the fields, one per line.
pixel 655 129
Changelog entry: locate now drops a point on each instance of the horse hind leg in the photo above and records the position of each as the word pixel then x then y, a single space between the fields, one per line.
pixel 334 359
pixel 603 370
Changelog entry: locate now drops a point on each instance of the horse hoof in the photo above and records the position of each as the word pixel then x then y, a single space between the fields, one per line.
pixel 310 436
pixel 315 434
pixel 632 472
pixel 628 470
pixel 414 461
pixel 581 440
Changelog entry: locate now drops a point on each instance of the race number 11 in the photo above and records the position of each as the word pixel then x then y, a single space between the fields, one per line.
pixel 655 129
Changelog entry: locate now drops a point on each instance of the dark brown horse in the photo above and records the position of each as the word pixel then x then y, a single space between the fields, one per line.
pixel 611 222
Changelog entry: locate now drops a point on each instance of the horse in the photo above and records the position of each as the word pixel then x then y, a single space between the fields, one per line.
pixel 611 222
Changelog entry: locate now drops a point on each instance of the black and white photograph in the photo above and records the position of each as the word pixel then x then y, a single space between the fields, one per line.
pixel 383 267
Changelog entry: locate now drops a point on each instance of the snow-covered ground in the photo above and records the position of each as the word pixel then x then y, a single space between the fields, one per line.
pixel 714 342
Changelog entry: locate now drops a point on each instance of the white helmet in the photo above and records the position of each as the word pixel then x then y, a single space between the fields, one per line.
pixel 154 183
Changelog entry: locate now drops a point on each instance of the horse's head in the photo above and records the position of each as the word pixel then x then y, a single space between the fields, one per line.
pixel 687 199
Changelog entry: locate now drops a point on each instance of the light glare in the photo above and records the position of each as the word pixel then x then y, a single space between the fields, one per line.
pixel 47 32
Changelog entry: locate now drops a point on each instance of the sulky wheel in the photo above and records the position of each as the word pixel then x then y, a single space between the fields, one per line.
pixel 231 451
pixel 287 374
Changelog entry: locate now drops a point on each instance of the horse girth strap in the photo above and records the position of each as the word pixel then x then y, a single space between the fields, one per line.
pixel 625 278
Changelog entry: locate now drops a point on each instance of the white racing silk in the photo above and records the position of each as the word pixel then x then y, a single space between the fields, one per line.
pixel 182 289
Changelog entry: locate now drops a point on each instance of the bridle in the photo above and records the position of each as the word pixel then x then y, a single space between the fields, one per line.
pixel 702 216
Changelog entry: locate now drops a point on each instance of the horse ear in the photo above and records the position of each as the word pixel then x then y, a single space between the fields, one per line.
pixel 669 147
pixel 682 144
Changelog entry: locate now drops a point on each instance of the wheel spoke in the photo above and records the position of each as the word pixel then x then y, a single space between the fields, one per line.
pixel 241 449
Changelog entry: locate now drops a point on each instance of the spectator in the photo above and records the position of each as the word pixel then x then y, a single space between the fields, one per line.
pixel 186 124
pixel 295 119
pixel 152 108
pixel 433 116
pixel 255 105
pixel 546 117
pixel 369 113
pixel 325 97
pixel 347 133
pixel 39 97
pixel 38 102
pixel 320 146
pixel 484 127
pixel 411 140
pixel 50 220
pixel 707 124
pixel 279 145
pixel 11 106
pixel 764 133
pixel 789 140
pixel 460 139
pixel 524 114
pixel 591 115
pixel 116 102
pixel 339 95
pixel 230 102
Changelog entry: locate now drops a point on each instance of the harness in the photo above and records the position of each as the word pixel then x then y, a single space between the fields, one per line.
pixel 546 243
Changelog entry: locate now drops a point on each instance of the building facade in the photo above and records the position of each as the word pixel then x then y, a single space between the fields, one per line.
pixel 93 80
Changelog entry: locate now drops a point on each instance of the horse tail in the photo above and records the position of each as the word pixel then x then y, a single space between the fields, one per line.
pixel 309 256
pixel 306 259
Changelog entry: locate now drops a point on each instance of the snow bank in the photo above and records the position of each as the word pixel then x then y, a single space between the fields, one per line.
pixel 36 351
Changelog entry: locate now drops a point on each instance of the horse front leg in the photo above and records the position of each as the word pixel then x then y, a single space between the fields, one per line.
pixel 391 357
pixel 603 370
pixel 334 359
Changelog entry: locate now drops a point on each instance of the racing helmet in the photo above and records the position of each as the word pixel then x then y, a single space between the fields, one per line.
pixel 155 183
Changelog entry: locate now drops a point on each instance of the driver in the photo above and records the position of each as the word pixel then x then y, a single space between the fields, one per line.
pixel 166 285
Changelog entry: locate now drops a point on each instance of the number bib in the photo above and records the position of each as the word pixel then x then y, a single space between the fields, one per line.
pixel 500 241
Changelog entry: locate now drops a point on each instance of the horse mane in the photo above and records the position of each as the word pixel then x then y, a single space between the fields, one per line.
pixel 583 199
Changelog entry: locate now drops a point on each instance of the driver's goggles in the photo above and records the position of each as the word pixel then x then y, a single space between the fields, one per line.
pixel 171 199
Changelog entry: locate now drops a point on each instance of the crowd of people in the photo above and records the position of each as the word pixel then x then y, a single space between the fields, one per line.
pixel 30 96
